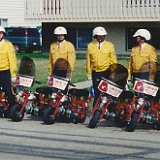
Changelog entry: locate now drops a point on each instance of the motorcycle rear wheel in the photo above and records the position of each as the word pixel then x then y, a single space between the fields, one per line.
pixel 79 120
pixel 132 124
pixel 16 116
pixel 47 116
pixel 120 122
pixel 94 120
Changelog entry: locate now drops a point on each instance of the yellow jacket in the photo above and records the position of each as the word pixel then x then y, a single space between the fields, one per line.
pixel 139 57
pixel 8 58
pixel 99 59
pixel 66 51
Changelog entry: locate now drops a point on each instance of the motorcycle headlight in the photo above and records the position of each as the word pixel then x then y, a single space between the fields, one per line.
pixel 104 99
pixel 53 96
pixel 140 101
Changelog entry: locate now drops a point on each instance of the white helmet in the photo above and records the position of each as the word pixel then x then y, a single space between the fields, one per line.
pixel 2 29
pixel 60 30
pixel 143 33
pixel 99 31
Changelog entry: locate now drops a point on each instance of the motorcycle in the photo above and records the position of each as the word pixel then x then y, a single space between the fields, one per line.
pixel 3 104
pixel 111 102
pixel 24 97
pixel 43 98
pixel 145 105
pixel 78 104
pixel 70 105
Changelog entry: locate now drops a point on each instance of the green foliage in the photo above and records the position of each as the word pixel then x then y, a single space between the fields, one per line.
pixel 33 55
pixel 41 63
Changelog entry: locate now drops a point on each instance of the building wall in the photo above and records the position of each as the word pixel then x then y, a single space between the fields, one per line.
pixel 116 33
pixel 13 10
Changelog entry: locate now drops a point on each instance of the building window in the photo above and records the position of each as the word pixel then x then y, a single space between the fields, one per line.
pixel 4 22
pixel 130 41
pixel 84 36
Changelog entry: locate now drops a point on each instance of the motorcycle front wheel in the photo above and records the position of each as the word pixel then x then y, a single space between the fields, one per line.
pixel 16 116
pixel 132 124
pixel 48 116
pixel 156 126
pixel 94 120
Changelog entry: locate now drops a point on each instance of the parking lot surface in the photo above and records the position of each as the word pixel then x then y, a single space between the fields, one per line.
pixel 31 139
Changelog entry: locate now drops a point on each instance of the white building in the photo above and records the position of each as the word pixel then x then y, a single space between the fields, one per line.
pixel 120 18
pixel 12 13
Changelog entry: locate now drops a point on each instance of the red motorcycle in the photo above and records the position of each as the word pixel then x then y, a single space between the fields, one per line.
pixel 70 105
pixel 24 97
pixel 44 97
pixel 78 104
pixel 145 105
pixel 111 101
pixel 3 104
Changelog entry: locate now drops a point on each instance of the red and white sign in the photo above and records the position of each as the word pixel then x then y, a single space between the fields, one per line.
pixel 25 81
pixel 143 87
pixel 109 88
pixel 58 83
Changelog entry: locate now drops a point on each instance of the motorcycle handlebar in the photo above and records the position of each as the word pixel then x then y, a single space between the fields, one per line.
pixel 38 82
pixel 73 85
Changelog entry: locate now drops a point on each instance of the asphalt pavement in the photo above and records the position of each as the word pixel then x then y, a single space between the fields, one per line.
pixel 32 139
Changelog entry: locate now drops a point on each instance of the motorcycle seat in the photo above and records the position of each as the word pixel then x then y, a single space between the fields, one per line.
pixel 79 92
pixel 127 95
pixel 46 90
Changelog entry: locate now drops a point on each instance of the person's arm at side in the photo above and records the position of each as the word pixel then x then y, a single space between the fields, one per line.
pixel 12 60
pixel 88 64
pixel 113 55
pixel 50 64
pixel 153 58
pixel 71 56
pixel 130 68
pixel 153 55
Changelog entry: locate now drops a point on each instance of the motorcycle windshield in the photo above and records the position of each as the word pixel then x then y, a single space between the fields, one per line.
pixel 62 68
pixel 27 67
pixel 26 72
pixel 149 71
pixel 118 74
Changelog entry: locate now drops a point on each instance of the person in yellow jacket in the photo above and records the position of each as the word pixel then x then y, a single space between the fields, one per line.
pixel 61 49
pixel 100 55
pixel 8 66
pixel 140 54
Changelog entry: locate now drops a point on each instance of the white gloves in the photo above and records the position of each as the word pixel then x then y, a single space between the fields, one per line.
pixel 13 80
pixel 88 78
pixel 48 78
pixel 129 82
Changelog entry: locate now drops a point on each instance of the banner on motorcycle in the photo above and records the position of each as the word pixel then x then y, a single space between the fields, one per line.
pixel 109 88
pixel 58 82
pixel 25 81
pixel 141 86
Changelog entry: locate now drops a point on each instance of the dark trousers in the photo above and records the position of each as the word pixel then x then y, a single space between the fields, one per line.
pixel 96 78
pixel 141 75
pixel 5 83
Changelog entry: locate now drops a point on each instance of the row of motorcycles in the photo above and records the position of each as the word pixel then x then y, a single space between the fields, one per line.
pixel 128 103
pixel 54 102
